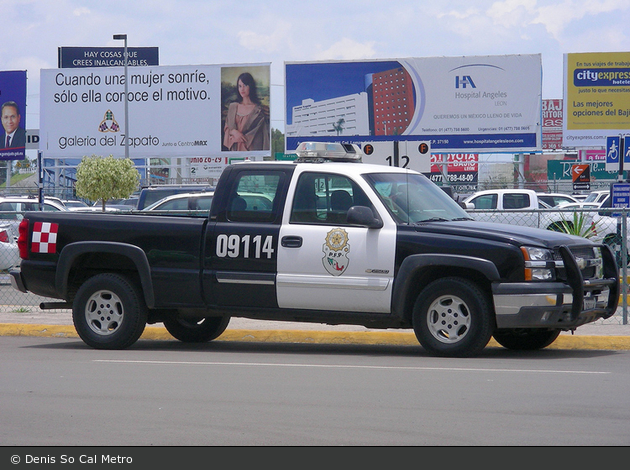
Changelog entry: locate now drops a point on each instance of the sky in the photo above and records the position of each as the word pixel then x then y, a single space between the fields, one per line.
pixel 191 32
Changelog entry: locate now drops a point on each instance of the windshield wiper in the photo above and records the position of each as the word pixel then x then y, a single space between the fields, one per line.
pixel 434 219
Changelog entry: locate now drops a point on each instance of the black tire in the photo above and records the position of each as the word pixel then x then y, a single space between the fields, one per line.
pixel 196 331
pixel 453 317
pixel 109 312
pixel 526 339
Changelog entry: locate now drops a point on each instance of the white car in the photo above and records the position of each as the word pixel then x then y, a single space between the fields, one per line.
pixel 24 204
pixel 555 199
pixel 74 203
pixel 183 204
pixel 606 229
pixel 598 196
pixel 12 209
pixel 9 254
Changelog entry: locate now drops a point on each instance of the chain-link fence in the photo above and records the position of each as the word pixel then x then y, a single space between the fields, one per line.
pixel 608 226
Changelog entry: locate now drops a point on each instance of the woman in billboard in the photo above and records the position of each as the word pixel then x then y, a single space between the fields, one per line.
pixel 247 122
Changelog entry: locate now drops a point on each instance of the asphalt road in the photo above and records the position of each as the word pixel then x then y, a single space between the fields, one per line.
pixel 59 392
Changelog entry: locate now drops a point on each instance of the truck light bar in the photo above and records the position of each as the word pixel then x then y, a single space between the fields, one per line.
pixel 319 152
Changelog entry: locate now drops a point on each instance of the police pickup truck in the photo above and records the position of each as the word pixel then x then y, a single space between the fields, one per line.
pixel 324 239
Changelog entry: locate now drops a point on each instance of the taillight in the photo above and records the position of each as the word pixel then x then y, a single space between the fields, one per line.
pixel 23 239
pixel 4 236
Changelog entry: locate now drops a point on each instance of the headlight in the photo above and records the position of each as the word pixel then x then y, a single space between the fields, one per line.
pixel 539 264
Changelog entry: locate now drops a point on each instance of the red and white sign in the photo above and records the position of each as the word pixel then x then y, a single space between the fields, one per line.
pixel 44 238
pixel 456 162
pixel 593 155
pixel 552 124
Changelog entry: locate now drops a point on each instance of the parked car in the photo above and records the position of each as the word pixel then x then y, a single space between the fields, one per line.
pixel 508 206
pixel 598 196
pixel 555 199
pixel 13 207
pixel 9 254
pixel 73 203
pixel 184 203
pixel 153 194
pixel 26 203
pixel 118 204
pixel 606 228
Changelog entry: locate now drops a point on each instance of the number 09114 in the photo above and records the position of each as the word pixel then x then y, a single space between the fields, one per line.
pixel 247 246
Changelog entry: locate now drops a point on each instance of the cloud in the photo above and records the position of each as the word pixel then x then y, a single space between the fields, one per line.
pixel 273 42
pixel 348 49
pixel 81 11
pixel 512 13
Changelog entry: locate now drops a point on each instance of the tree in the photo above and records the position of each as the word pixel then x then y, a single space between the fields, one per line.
pixel 277 142
pixel 338 126
pixel 106 178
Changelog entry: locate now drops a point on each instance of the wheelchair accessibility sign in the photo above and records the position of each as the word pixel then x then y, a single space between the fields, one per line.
pixel 614 149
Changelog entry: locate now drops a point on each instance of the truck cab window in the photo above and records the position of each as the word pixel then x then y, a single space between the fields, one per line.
pixel 254 196
pixel 324 198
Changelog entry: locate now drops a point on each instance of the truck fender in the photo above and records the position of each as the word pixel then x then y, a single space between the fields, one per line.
pixel 138 257
pixel 403 283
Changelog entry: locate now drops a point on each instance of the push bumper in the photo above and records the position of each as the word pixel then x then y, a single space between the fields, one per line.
pixel 559 304
pixel 16 279
pixel 544 305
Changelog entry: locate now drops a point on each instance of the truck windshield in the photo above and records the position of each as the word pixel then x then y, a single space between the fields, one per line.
pixel 412 198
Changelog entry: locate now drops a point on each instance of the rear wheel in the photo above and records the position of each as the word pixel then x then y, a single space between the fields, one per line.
pixel 453 317
pixel 195 330
pixel 109 312
pixel 526 339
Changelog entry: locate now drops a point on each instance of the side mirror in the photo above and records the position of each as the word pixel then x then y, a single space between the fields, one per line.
pixel 468 205
pixel 363 215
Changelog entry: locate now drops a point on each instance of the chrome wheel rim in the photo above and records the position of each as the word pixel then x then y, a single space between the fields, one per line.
pixel 448 319
pixel 104 312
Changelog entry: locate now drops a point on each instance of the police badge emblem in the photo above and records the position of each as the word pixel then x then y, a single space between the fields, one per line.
pixel 336 250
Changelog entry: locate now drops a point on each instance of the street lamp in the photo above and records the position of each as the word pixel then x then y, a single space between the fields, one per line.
pixel 124 38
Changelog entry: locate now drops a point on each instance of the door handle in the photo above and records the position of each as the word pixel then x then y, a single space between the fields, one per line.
pixel 291 241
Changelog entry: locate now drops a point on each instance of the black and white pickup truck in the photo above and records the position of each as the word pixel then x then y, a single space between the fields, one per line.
pixel 325 239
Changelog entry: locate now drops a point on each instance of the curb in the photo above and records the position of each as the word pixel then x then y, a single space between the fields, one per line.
pixel 621 343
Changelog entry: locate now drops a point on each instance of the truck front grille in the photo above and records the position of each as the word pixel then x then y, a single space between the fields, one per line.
pixel 588 259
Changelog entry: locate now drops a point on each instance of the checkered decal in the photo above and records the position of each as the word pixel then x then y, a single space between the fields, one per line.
pixel 44 238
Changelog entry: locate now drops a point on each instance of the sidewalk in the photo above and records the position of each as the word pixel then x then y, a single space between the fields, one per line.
pixel 612 335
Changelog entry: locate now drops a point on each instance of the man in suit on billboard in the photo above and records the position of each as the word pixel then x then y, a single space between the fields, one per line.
pixel 14 136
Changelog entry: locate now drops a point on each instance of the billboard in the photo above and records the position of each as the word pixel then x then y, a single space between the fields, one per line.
pixel 13 106
pixel 73 57
pixel 461 171
pixel 596 97
pixel 552 124
pixel 563 170
pixel 456 104
pixel 193 110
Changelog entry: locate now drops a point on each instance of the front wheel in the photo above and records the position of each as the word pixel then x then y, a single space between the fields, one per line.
pixel 526 339
pixel 453 317
pixel 196 331
pixel 109 312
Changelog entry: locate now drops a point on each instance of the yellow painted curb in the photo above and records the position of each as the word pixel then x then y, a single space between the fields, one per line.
pixel 16 329
pixel 317 337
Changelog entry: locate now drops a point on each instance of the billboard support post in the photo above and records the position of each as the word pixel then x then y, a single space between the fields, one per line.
pixel 124 38
pixel 40 180
pixel 621 158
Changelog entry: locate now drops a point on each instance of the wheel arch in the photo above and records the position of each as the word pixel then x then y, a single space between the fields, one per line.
pixel 416 271
pixel 113 257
